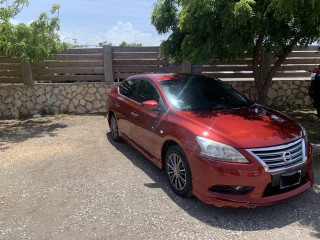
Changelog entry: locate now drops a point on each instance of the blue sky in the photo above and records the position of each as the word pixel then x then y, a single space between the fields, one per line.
pixel 91 22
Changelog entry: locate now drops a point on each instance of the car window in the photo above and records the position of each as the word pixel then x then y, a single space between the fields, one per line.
pixel 129 87
pixel 147 92
pixel 201 93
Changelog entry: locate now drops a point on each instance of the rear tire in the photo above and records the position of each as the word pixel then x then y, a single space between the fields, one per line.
pixel 114 129
pixel 178 172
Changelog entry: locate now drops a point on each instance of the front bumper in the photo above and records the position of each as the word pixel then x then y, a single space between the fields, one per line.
pixel 207 173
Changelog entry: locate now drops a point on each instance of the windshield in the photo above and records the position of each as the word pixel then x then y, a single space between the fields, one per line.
pixel 193 93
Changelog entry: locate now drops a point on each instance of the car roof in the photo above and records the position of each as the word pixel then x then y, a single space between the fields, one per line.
pixel 165 76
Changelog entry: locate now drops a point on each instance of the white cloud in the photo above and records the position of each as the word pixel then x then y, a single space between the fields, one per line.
pixel 69 37
pixel 116 34
pixel 14 21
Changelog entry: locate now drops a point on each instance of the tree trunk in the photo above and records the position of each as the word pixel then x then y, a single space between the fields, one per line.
pixel 263 79
pixel 262 97
pixel 265 67
pixel 256 68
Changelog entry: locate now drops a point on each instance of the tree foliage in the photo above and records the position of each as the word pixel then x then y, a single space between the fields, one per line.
pixel 76 44
pixel 34 42
pixel 122 44
pixel 125 44
pixel 203 30
pixel 105 43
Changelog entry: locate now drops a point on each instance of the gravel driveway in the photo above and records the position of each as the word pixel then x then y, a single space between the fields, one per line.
pixel 65 179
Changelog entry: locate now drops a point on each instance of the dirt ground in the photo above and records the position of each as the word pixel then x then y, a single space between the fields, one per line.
pixel 64 178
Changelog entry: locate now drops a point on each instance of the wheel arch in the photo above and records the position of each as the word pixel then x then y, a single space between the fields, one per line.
pixel 166 145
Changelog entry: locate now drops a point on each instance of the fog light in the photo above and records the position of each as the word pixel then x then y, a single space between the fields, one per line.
pixel 228 189
pixel 238 188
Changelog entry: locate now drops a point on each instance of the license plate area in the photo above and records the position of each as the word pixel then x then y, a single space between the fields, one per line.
pixel 290 179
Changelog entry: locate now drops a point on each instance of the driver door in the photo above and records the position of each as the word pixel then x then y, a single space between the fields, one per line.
pixel 146 125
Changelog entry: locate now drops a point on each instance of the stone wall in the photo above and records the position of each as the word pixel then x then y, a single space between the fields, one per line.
pixel 78 98
pixel 81 98
pixel 282 94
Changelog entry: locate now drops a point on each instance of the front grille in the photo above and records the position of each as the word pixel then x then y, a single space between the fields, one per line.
pixel 282 156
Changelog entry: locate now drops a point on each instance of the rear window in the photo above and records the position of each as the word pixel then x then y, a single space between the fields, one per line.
pixel 129 87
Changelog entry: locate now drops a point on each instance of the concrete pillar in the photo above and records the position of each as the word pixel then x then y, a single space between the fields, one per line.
pixel 108 64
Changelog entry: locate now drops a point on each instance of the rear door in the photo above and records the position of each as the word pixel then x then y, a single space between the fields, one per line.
pixel 125 105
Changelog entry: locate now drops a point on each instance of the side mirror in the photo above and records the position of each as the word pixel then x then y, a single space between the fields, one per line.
pixel 151 105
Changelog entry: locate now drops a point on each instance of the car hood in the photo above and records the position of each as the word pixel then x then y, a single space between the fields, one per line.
pixel 249 127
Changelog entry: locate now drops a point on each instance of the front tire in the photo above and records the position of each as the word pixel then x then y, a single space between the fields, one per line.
pixel 114 128
pixel 178 172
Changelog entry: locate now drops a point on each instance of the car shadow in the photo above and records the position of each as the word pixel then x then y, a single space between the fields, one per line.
pixel 16 131
pixel 303 209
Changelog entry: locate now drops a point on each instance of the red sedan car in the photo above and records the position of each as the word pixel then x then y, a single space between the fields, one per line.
pixel 211 141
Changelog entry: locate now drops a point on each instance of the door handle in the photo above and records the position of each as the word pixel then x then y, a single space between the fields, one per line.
pixel 134 114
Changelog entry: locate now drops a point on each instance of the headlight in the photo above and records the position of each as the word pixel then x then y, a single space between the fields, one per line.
pixel 305 133
pixel 219 151
pixel 305 147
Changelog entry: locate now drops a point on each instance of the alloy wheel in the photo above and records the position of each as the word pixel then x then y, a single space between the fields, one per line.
pixel 114 128
pixel 176 172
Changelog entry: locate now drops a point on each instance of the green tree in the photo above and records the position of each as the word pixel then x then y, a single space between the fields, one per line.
pixel 125 44
pixel 105 43
pixel 202 30
pixel 34 42
pixel 122 44
pixel 75 44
